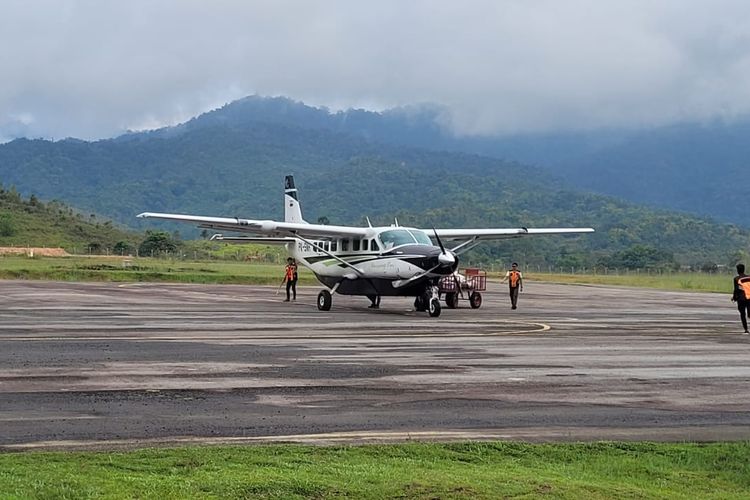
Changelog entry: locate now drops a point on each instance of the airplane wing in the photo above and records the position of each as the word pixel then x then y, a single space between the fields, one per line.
pixel 498 234
pixel 268 228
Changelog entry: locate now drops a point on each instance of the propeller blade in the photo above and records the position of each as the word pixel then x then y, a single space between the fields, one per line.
pixel 445 258
pixel 442 248
pixel 458 285
pixel 402 283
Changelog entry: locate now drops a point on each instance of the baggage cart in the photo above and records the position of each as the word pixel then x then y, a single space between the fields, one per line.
pixel 464 285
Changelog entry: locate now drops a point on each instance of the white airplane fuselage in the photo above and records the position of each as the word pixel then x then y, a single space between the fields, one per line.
pixel 385 258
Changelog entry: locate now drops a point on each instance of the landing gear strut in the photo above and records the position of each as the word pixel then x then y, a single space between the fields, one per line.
pixel 374 301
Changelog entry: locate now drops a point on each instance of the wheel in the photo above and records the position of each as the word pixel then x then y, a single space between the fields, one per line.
pixel 434 308
pixel 419 304
pixel 324 300
pixel 451 300
pixel 475 299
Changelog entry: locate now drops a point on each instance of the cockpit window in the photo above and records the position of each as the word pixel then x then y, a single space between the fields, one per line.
pixel 420 236
pixel 396 237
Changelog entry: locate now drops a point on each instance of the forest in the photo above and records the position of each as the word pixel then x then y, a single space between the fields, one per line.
pixel 232 162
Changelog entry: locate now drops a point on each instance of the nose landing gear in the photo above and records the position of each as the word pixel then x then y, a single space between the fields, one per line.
pixel 428 301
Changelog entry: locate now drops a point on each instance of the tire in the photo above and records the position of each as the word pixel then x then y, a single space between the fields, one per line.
pixel 475 300
pixel 324 300
pixel 434 309
pixel 451 300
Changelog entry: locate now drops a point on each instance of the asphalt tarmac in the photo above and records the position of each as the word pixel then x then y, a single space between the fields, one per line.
pixel 89 365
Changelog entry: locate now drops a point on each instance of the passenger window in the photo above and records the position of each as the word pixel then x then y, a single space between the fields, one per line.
pixel 326 245
pixel 375 246
pixel 344 245
pixel 365 245
pixel 334 245
pixel 355 245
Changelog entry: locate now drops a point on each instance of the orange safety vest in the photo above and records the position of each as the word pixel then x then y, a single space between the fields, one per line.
pixel 514 277
pixel 743 283
pixel 291 270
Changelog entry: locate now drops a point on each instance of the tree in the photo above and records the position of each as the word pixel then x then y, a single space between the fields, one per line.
pixel 641 256
pixel 7 226
pixel 122 248
pixel 157 242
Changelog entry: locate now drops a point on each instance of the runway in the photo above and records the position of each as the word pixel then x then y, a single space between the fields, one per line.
pixel 90 365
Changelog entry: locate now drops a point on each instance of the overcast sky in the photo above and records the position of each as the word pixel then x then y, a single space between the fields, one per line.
pixel 92 69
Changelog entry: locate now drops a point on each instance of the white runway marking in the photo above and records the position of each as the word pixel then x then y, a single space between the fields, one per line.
pixel 403 331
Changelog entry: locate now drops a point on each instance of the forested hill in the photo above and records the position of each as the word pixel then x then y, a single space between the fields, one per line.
pixel 228 164
pixel 687 167
pixel 32 223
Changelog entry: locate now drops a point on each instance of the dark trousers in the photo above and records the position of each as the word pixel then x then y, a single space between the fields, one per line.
pixel 291 285
pixel 744 307
pixel 514 296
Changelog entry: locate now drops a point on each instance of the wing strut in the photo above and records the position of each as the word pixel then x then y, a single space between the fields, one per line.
pixel 321 249
pixel 465 246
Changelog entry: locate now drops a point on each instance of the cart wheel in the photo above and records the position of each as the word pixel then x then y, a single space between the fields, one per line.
pixel 324 300
pixel 451 300
pixel 475 299
pixel 434 308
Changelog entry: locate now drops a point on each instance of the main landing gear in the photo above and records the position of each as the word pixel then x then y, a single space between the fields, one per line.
pixel 429 302
pixel 324 300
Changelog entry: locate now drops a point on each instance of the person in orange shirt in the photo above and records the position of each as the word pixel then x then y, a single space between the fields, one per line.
pixel 740 294
pixel 290 276
pixel 515 281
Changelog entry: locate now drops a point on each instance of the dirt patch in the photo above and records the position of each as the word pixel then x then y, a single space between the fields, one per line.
pixel 34 251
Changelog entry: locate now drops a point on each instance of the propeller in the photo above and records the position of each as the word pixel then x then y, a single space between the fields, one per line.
pixel 445 258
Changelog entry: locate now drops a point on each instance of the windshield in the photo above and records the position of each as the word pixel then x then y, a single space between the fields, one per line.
pixel 421 237
pixel 395 237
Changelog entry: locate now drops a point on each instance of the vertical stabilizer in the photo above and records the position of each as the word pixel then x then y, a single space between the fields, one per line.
pixel 292 210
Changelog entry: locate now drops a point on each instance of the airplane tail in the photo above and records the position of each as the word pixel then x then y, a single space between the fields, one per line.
pixel 292 209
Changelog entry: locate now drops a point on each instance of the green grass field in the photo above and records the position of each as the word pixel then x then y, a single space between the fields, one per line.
pixel 703 282
pixel 234 272
pixel 468 470
pixel 144 269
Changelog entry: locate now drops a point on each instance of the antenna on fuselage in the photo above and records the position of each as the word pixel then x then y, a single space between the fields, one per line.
pixel 368 221
pixel 396 221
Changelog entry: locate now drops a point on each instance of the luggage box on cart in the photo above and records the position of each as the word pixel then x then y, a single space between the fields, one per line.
pixel 464 285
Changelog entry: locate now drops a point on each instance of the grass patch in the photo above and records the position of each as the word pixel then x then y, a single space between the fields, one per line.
pixel 254 273
pixel 417 470
pixel 145 269
pixel 700 282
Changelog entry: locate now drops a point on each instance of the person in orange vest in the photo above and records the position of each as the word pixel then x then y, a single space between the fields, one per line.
pixel 741 294
pixel 290 276
pixel 515 281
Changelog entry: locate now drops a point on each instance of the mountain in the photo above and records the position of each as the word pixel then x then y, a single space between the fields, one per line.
pixel 232 161
pixel 690 167
pixel 685 167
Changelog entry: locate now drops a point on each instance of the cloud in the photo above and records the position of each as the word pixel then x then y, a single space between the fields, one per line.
pixel 93 69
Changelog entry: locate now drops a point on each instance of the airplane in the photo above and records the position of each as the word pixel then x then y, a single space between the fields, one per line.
pixel 370 261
